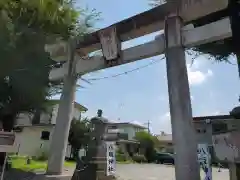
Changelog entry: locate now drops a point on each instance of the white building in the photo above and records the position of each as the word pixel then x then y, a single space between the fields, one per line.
pixel 165 143
pixel 129 145
pixel 34 139
pixel 130 128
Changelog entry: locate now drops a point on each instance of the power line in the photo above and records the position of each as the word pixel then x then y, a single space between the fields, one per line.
pixel 125 72
pixel 57 65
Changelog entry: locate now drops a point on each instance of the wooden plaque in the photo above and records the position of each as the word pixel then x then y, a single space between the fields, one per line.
pixel 111 46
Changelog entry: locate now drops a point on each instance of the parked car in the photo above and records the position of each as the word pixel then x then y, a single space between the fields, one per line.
pixel 164 158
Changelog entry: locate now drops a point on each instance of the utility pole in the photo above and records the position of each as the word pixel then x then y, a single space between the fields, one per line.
pixel 184 136
pixel 148 125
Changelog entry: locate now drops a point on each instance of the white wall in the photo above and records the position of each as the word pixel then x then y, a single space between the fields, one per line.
pixel 29 141
pixel 76 113
pixel 130 130
pixel 24 119
pixel 45 118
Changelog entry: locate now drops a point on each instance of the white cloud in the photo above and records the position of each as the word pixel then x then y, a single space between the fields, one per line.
pixel 209 72
pixel 166 115
pixel 197 77
pixel 216 113
pixel 163 124
pixel 192 98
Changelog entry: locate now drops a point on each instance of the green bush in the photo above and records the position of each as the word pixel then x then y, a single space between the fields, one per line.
pixel 139 158
pixel 16 157
pixel 42 157
pixel 120 157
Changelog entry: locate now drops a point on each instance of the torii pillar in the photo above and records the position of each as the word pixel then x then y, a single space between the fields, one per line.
pixel 59 140
pixel 184 136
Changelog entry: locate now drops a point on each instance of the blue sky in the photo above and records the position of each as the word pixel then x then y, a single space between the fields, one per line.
pixel 142 95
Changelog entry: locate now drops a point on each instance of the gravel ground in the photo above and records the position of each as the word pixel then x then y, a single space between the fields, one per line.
pixel 156 172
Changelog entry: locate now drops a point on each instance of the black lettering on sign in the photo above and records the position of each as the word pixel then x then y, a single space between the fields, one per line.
pixel 110 161
pixel 110 147
pixel 110 168
pixel 201 151
pixel 203 161
pixel 111 154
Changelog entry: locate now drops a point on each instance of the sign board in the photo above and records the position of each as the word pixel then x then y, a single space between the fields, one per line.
pixel 111 46
pixel 204 159
pixel 111 158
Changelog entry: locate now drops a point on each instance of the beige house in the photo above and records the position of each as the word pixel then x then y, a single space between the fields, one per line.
pixel 165 142
pixel 34 139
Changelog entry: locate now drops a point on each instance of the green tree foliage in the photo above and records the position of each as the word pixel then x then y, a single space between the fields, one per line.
pixel 25 27
pixel 147 143
pixel 79 134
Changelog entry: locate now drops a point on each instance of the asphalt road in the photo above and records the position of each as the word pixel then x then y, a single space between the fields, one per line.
pixel 156 172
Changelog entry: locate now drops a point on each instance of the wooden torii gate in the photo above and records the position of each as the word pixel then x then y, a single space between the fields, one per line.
pixel 170 16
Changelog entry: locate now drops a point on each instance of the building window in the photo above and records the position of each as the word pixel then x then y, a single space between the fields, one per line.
pixel 114 127
pixel 203 131
pixel 45 135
